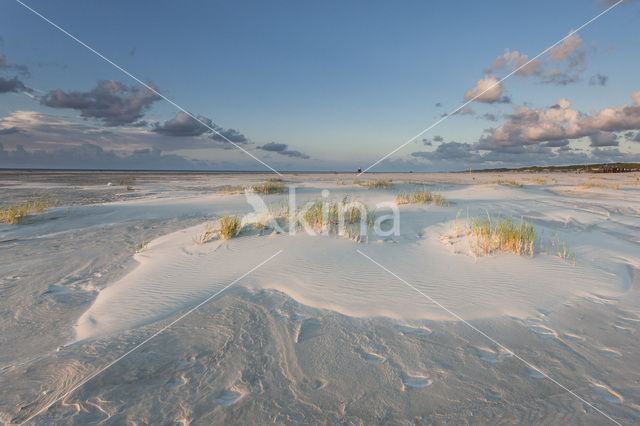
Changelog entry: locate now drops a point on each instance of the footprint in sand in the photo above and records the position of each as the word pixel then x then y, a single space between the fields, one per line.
pixel 605 392
pixel 492 356
pixel 229 397
pixel 418 331
pixel 416 382
pixel 543 331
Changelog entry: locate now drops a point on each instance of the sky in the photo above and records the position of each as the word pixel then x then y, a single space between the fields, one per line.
pixel 309 86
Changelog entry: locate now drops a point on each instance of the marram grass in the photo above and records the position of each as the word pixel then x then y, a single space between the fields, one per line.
pixel 269 188
pixel 501 234
pixel 229 227
pixel 375 184
pixel 16 212
pixel 423 196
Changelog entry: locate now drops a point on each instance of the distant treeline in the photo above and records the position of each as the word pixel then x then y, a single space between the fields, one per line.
pixel 599 167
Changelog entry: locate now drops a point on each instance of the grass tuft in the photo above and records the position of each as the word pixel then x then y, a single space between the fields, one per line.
pixel 231 189
pixel 508 182
pixel 501 234
pixel 141 246
pixel 229 227
pixel 422 196
pixel 375 184
pixel 269 188
pixel 16 212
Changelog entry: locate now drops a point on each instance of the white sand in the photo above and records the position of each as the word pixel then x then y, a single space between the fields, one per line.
pixel 320 334
pixel 327 272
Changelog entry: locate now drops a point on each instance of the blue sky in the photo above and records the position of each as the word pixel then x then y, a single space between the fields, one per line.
pixel 325 85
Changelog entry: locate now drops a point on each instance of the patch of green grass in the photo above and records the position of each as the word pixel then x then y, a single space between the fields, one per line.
pixel 508 182
pixel 231 189
pixel 16 212
pixel 501 234
pixel 269 188
pixel 229 227
pixel 423 196
pixel 375 184
pixel 590 185
pixel 141 246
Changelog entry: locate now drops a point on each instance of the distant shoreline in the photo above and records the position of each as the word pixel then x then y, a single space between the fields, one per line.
pixel 631 167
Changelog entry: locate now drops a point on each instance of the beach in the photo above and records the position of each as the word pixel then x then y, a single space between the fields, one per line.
pixel 277 324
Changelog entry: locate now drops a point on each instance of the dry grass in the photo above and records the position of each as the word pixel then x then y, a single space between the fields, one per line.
pixel 375 184
pixel 539 181
pixel 231 189
pixel 269 188
pixel 501 234
pixel 229 227
pixel 16 212
pixel 206 235
pixel 141 246
pixel 508 182
pixel 273 180
pixel 590 185
pixel 346 218
pixel 421 196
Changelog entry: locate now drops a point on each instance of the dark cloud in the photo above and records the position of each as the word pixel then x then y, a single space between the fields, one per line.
pixel 490 117
pixel 630 136
pixel 91 156
pixel 426 142
pixel 448 151
pixel 438 138
pixel 438 104
pixel 598 80
pixel 183 125
pixel 9 130
pixel 282 149
pixel 231 134
pixel 112 102
pixel 559 143
pixel 13 85
pixel 604 139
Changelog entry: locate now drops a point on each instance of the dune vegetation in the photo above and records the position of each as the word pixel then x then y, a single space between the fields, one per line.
pixel 230 189
pixel 508 182
pixel 375 184
pixel 422 196
pixel 16 212
pixel 501 234
pixel 229 227
pixel 269 188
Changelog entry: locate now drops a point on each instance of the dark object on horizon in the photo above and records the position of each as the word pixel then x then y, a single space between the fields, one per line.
pixel 359 170
pixel 611 168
